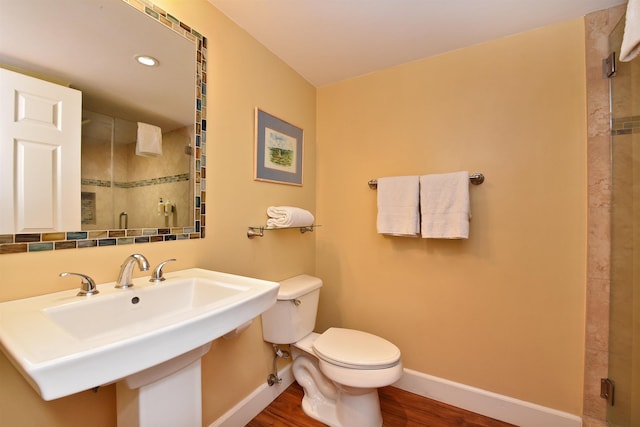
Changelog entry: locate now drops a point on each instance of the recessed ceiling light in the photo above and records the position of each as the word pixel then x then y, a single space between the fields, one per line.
pixel 147 60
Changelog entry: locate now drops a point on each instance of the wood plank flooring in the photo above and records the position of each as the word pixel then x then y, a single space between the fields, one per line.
pixel 399 409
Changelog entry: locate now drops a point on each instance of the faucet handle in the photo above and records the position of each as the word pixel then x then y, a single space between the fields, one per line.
pixel 88 286
pixel 157 276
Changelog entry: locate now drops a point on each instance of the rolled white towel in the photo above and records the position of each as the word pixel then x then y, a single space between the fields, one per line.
pixel 288 216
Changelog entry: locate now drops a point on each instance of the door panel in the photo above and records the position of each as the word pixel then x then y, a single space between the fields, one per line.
pixel 39 155
pixel 37 181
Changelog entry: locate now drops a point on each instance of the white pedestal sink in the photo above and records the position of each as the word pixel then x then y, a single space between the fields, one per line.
pixel 148 338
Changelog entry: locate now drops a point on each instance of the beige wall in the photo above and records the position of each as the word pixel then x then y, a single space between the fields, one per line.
pixel 241 75
pixel 504 310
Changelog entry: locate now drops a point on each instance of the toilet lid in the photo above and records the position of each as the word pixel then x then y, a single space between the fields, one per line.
pixel 355 349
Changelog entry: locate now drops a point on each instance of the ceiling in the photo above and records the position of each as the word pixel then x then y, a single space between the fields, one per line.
pixel 327 41
pixel 90 45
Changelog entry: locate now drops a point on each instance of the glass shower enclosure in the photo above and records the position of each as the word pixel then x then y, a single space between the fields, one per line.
pixel 124 190
pixel 624 335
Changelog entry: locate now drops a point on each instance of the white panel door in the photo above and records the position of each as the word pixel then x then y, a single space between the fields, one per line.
pixel 40 125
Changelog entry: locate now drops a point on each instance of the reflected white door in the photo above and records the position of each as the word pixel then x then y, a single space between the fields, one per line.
pixel 40 125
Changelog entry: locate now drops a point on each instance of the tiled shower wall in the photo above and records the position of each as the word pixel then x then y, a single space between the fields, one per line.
pixel 598 27
pixel 138 184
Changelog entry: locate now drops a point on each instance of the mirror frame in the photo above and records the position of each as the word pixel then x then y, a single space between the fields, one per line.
pixel 39 242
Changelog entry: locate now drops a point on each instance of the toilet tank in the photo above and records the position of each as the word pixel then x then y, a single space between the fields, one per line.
pixel 294 314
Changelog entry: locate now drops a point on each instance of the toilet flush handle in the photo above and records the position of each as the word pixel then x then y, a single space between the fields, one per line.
pixel 296 302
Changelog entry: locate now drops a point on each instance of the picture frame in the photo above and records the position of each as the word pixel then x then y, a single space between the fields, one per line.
pixel 278 150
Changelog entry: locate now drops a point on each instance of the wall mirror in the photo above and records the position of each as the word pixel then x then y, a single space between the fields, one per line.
pixel 92 46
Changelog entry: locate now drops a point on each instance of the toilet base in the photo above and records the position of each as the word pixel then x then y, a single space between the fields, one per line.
pixel 347 411
pixel 332 404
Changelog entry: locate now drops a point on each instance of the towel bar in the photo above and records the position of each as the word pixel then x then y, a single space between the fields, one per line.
pixel 259 231
pixel 475 178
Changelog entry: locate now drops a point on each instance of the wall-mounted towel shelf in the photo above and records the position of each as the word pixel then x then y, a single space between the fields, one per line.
pixel 475 178
pixel 259 231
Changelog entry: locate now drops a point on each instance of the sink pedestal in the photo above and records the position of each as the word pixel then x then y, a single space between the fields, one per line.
pixel 168 394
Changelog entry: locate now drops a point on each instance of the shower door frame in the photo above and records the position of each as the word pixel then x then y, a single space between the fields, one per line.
pixel 623 409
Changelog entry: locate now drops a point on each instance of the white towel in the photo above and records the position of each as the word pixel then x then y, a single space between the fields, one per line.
pixel 288 216
pixel 444 205
pixel 149 142
pixel 631 38
pixel 398 206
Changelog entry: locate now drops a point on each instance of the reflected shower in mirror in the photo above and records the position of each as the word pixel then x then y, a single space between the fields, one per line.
pixel 121 191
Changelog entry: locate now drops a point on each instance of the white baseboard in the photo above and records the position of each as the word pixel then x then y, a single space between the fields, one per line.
pixel 255 402
pixel 500 407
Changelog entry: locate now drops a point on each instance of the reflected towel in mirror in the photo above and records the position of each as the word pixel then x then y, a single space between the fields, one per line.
pixel 149 142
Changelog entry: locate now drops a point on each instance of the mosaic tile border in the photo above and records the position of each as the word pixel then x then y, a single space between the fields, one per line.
pixel 133 184
pixel 95 182
pixel 625 125
pixel 153 181
pixel 39 242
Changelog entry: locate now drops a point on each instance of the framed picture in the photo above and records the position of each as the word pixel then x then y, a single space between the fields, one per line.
pixel 278 156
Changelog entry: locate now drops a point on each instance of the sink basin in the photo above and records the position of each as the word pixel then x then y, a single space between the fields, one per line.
pixel 64 344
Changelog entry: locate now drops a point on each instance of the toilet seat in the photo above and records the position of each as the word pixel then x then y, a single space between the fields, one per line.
pixel 354 349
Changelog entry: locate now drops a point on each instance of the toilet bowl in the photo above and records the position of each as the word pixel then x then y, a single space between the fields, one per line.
pixel 341 369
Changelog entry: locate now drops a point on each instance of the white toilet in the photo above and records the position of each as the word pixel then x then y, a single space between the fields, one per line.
pixel 341 369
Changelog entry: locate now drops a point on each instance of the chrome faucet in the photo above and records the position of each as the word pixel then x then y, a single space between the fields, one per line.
pixel 126 270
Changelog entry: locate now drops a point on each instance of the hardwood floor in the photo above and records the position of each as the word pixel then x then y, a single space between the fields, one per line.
pixel 399 409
